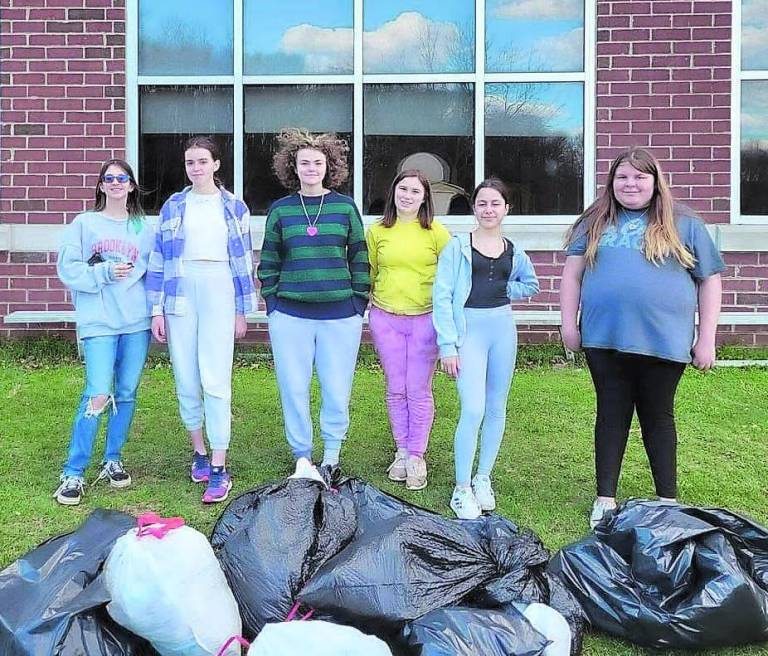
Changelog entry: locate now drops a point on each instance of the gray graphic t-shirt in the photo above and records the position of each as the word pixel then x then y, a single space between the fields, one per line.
pixel 634 306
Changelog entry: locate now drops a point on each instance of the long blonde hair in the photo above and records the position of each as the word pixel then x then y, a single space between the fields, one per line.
pixel 661 237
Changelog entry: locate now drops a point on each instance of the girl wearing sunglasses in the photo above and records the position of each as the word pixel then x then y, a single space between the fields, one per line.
pixel 200 287
pixel 102 260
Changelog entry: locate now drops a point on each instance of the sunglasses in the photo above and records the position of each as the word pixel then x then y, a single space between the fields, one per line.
pixel 122 178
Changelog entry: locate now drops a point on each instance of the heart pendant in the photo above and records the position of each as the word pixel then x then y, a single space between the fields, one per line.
pixel 311 231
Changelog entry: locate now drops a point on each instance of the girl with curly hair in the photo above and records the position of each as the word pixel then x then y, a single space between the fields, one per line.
pixel 639 266
pixel 403 248
pixel 315 281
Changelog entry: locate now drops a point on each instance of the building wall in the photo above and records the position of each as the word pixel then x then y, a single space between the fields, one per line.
pixel 663 81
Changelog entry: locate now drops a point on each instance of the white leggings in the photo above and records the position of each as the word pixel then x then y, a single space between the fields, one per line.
pixel 201 343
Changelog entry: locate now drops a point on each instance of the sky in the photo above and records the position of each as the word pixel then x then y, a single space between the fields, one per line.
pixel 315 36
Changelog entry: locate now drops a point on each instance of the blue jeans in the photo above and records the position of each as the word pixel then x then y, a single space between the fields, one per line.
pixel 113 367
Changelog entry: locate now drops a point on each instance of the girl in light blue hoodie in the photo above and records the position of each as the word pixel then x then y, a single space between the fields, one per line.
pixel 478 275
pixel 102 260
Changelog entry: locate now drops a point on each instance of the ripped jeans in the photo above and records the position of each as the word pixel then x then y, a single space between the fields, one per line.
pixel 113 367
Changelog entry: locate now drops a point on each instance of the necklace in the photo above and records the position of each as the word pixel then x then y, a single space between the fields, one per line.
pixel 312 223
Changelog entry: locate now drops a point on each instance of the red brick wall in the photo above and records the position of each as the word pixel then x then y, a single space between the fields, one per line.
pixel 63 113
pixel 663 81
pixel 663 71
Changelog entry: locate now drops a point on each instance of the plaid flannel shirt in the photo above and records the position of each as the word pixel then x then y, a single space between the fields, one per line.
pixel 165 272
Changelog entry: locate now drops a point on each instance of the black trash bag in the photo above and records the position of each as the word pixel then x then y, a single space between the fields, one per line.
pixel 521 558
pixel 670 576
pixel 398 571
pixel 52 599
pixel 271 540
pixel 473 632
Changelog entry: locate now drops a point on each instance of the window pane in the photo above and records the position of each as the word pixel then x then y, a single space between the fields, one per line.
pixel 419 36
pixel 269 109
pixel 754 147
pixel 185 37
pixel 534 141
pixel 168 116
pixel 754 35
pixel 419 126
pixel 534 35
pixel 304 36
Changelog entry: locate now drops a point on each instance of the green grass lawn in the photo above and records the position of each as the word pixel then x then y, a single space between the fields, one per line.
pixel 544 477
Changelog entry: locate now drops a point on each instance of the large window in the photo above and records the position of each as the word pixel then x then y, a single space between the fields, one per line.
pixel 461 89
pixel 751 117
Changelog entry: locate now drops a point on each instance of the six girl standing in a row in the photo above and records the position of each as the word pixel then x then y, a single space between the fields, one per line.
pixel 638 267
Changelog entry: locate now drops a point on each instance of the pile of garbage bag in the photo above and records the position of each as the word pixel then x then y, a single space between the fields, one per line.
pixel 672 576
pixel 348 569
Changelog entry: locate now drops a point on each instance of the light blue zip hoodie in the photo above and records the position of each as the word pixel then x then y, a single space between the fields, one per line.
pixel 104 305
pixel 453 284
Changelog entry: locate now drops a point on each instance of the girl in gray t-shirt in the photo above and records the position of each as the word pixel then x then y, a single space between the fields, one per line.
pixel 638 267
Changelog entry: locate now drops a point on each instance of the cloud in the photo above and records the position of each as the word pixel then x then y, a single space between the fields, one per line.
pixel 563 51
pixel 521 114
pixel 324 49
pixel 539 9
pixel 753 13
pixel 754 118
pixel 411 42
pixel 754 47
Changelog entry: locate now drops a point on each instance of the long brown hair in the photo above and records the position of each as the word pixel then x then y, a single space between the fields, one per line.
pixel 427 208
pixel 661 237
pixel 290 141
pixel 133 202
pixel 209 144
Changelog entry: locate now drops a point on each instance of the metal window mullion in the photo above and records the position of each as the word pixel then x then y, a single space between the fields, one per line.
pixel 542 76
pixel 746 75
pixel 479 90
pixel 419 78
pixel 357 103
pixel 238 119
pixel 589 128
pixel 189 80
pixel 131 84
pixel 267 80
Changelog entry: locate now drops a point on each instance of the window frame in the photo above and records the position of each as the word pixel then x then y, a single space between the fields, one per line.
pixel 357 79
pixel 738 76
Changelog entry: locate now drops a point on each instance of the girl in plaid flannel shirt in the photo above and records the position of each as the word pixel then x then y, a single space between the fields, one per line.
pixel 200 287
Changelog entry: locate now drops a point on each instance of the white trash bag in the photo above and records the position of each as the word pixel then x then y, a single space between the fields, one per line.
pixel 167 587
pixel 317 638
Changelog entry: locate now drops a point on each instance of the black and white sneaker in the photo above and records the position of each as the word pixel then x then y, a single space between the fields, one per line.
pixel 70 491
pixel 115 472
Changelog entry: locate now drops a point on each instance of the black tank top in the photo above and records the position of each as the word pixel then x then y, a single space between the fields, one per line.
pixel 489 277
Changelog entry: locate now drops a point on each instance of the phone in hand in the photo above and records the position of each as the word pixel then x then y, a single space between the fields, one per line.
pixel 96 258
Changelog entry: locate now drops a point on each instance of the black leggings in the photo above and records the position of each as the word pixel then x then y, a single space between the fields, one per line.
pixel 624 383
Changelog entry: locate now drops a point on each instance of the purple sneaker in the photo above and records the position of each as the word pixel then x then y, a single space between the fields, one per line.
pixel 201 468
pixel 219 485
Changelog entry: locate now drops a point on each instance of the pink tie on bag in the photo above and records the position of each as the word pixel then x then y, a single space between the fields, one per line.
pixel 156 526
pixel 243 643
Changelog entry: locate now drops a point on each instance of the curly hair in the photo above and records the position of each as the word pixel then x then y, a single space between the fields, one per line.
pixel 291 141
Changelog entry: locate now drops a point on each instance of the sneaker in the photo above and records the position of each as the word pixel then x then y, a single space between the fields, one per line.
pixel 415 473
pixel 481 486
pixel 599 509
pixel 201 468
pixel 70 491
pixel 464 504
pixel 305 469
pixel 396 471
pixel 115 472
pixel 219 485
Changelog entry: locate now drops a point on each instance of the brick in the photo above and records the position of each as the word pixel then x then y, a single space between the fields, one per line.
pixel 691 153
pixel 85 14
pixel 652 48
pixel 630 140
pixel 692 47
pixel 671 87
pixel 28 258
pixel 636 34
pixel 685 100
pixel 711 139
pixel 612 101
pixel 85 65
pixel 28 283
pixel 740 285
pixel 632 61
pixel 672 113
pixel 717 166
pixel 672 7
pixel 48 13
pixel 613 48
pixel 47 65
pixel 115 92
pixel 650 74
pixel 711 60
pixel 710 7
pixel 634 114
pixel 613 21
pixel 670 139
pixel 692 20
pixel 633 7
pixel 98 53
pixel 672 61
pixel 651 21
pixel 712 33
pixel 650 101
pixel 28 205
pixel 692 74
pixel 79 39
pixel 63 26
pixel 752 299
pixel 47 39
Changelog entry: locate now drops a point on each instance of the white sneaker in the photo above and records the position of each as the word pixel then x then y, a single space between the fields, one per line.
pixel 305 469
pixel 599 508
pixel 464 504
pixel 481 486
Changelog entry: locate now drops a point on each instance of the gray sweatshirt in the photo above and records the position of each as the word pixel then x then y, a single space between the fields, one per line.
pixel 104 305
